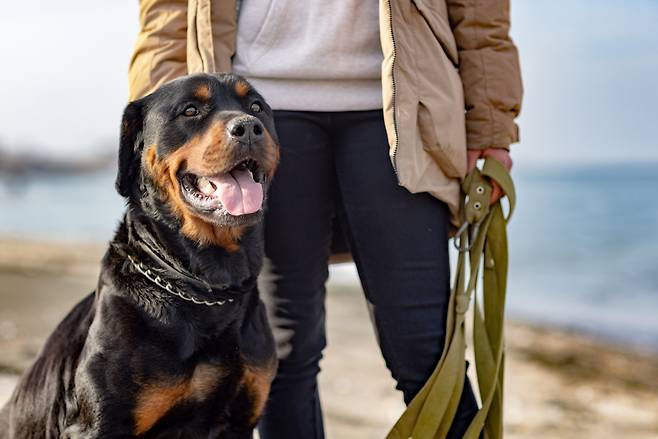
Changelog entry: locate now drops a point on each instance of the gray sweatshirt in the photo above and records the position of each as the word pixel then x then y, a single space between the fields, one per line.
pixel 314 55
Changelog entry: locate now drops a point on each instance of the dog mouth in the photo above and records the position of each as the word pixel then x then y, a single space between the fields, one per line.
pixel 238 191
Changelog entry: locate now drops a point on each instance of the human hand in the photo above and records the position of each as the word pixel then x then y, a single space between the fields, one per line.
pixel 500 154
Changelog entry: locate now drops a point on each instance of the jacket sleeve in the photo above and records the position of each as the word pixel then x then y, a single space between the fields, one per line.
pixel 160 51
pixel 490 71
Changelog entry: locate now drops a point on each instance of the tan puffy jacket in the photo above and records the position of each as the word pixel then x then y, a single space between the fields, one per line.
pixel 450 76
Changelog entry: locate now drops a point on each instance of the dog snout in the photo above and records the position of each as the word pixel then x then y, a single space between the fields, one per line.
pixel 246 129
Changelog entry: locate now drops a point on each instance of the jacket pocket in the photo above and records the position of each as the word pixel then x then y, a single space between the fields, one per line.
pixel 445 150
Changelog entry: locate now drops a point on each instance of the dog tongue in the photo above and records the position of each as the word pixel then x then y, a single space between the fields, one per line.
pixel 238 192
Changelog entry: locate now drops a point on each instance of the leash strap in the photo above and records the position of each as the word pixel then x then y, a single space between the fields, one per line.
pixel 482 244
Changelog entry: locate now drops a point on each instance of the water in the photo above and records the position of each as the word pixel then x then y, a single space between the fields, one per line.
pixel 584 250
pixel 79 208
pixel 583 241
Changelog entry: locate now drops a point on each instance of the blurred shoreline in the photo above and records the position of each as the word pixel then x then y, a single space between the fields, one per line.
pixel 558 383
pixel 19 164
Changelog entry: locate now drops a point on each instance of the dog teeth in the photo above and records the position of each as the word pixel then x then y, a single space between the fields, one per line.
pixel 205 185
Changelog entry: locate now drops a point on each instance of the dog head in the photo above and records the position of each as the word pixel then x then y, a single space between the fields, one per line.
pixel 202 150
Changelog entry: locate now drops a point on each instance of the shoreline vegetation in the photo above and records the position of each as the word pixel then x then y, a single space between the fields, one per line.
pixel 559 384
pixel 15 164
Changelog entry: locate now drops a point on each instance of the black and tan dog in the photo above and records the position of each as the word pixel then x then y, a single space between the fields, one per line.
pixel 174 343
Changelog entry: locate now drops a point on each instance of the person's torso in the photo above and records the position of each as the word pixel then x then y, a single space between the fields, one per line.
pixel 312 55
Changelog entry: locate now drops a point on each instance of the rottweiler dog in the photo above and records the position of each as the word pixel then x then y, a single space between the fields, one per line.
pixel 174 342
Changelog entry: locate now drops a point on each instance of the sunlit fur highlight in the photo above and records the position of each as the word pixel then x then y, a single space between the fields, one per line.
pixel 156 398
pixel 257 382
pixel 202 92
pixel 241 88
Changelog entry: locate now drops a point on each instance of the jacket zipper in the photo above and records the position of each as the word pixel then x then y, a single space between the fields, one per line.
pixel 395 123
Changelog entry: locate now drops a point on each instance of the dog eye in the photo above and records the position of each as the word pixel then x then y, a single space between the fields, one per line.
pixel 256 107
pixel 190 111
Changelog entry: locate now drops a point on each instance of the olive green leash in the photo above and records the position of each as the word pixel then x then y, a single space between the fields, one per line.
pixel 482 237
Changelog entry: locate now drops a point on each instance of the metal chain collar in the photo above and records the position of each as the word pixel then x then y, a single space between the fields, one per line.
pixel 170 289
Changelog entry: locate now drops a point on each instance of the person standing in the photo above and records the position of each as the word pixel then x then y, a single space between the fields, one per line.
pixel 381 107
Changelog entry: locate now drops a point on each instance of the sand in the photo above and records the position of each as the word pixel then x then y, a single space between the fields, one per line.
pixel 559 384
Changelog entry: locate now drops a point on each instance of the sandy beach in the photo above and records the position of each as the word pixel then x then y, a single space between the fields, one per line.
pixel 558 384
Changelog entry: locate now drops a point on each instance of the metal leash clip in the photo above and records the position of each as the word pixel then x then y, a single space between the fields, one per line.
pixel 471 235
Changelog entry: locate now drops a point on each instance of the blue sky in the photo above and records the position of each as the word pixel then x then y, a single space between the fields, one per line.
pixel 591 79
pixel 590 71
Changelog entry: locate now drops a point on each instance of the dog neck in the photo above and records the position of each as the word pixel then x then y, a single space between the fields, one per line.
pixel 206 269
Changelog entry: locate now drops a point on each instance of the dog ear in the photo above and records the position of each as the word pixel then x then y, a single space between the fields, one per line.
pixel 131 143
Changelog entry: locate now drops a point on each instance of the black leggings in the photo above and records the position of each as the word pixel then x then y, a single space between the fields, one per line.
pixel 337 165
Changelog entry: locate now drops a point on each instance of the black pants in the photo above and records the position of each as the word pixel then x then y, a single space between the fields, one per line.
pixel 337 165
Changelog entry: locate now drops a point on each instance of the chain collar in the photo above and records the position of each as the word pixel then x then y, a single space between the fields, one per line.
pixel 140 267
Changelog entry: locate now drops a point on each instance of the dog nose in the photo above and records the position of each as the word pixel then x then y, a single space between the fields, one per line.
pixel 245 129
